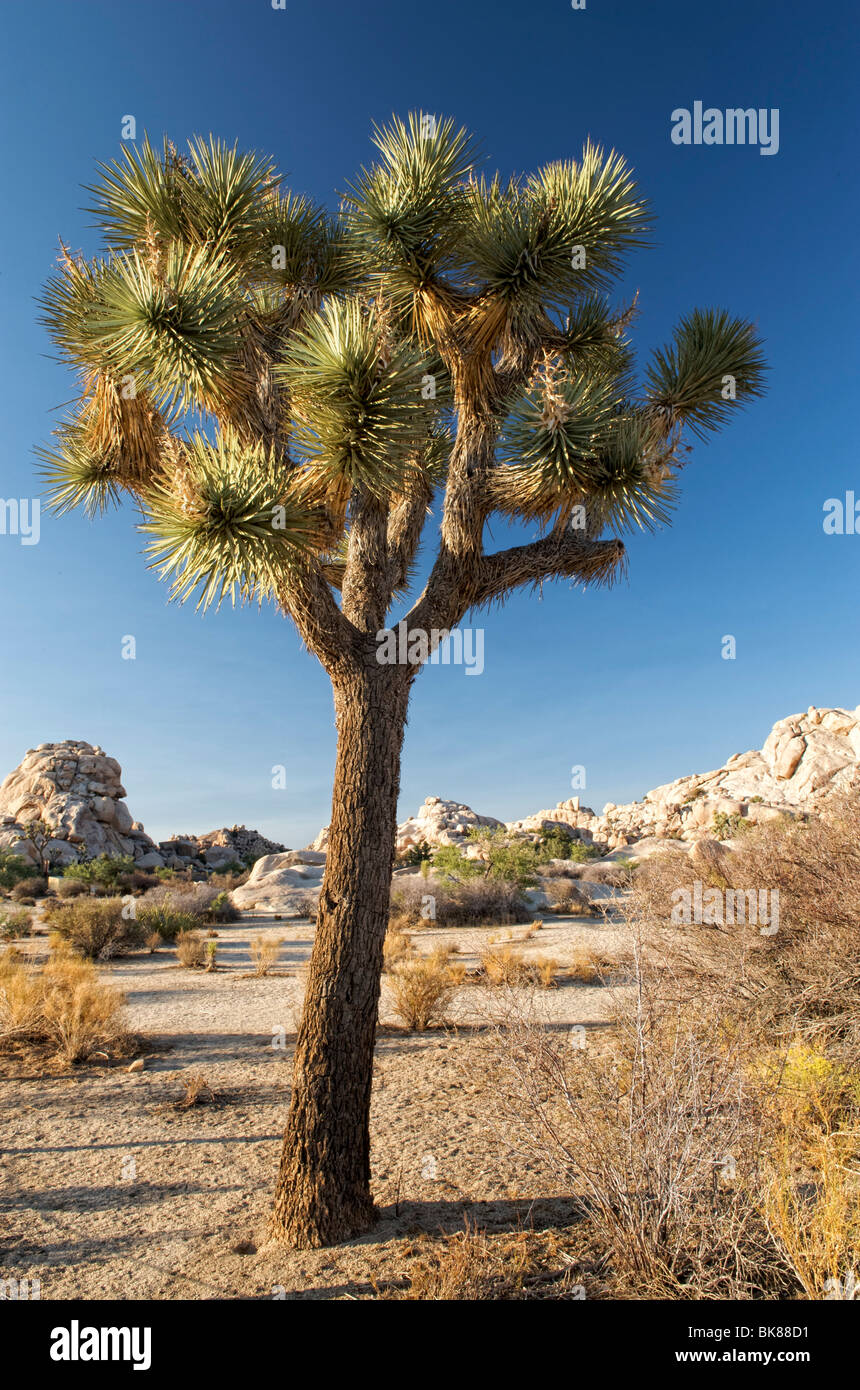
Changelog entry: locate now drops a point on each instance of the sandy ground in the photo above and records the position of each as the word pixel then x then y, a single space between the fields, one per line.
pixel 108 1190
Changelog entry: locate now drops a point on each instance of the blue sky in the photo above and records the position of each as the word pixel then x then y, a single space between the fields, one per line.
pixel 629 683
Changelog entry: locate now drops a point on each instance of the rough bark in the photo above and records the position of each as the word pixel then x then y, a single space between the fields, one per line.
pixel 323 1193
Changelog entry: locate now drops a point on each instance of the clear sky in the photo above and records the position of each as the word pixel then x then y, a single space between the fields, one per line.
pixel 629 682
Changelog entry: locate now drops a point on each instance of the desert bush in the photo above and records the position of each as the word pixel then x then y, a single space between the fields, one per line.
pixel 396 948
pixel 659 1136
pixel 165 919
pixel 473 1265
pixel 63 1004
pixel 803 978
pixel 95 928
pixel 504 966
pixel 264 953
pixel 154 942
pixel 27 890
pixel 71 888
pixel 14 922
pixel 421 988
pixel 556 845
pixel 307 905
pixel 191 949
pixel 223 909
pixel 105 870
pixel 468 903
pixel 197 1091
pixel 564 896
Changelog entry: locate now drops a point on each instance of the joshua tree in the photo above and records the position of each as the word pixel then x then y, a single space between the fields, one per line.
pixel 288 396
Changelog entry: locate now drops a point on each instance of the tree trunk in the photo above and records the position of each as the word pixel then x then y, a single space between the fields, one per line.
pixel 323 1192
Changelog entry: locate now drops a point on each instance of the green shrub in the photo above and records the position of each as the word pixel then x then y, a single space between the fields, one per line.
pixel 417 855
pixel 13 868
pixel 222 909
pixel 104 870
pixel 95 927
pixel 724 826
pixel 164 918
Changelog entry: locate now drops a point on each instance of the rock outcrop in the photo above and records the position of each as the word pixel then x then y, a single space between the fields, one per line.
pixel 75 790
pixel 805 759
pixel 437 822
pixel 217 848
pixel 288 883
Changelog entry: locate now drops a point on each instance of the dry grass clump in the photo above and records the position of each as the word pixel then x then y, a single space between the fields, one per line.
pixel 564 896
pixel 63 1005
pixel 264 953
pixel 505 966
pixel 191 949
pixel 197 1092
pixel 396 948
pixel 472 1265
pixel 474 902
pixel 95 928
pixel 421 988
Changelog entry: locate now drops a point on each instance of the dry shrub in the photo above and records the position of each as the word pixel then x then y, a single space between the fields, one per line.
pixel 154 942
pixel 63 1004
pixel 264 953
pixel 505 966
pixel 14 922
pixel 421 988
pixel 27 890
pixel 71 888
pixel 586 968
pixel 307 905
pixel 563 895
pixel 804 979
pixel 197 1092
pixel 191 949
pixel 95 928
pixel 658 1136
pixel 397 947
pixel 811 1195
pixel 472 1265
pixel 473 902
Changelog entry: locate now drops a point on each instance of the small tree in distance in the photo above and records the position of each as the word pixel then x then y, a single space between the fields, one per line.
pixel 286 394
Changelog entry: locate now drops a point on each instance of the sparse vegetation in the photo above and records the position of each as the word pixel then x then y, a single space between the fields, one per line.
pixel 63 1005
pixel 191 949
pixel 95 928
pixel 421 988
pixel 264 953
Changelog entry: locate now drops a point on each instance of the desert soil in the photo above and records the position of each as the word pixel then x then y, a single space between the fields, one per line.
pixel 109 1190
